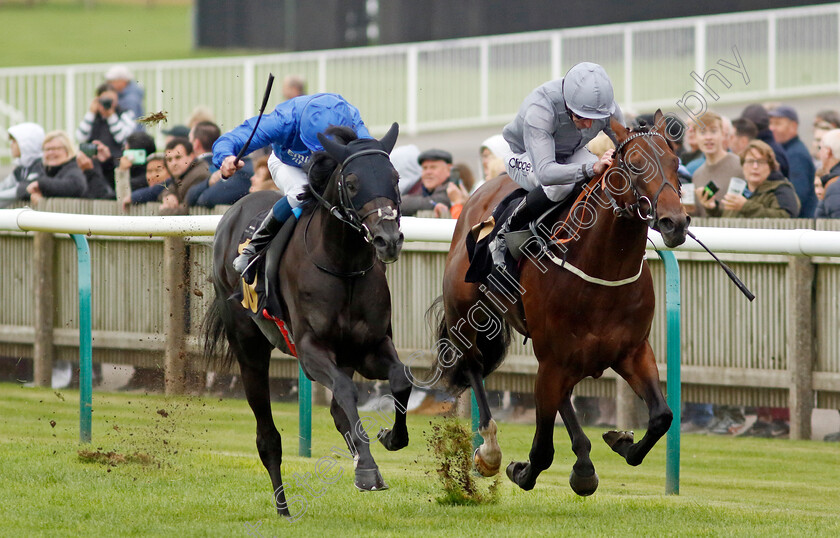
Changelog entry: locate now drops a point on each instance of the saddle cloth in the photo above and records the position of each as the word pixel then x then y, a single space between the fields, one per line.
pixel 479 239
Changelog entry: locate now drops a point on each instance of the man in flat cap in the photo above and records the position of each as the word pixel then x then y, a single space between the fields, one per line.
pixel 784 122
pixel 436 165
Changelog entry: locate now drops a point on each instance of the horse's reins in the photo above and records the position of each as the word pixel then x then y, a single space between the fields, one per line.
pixel 628 211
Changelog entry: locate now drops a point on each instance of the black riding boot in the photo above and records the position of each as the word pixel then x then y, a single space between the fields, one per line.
pixel 532 206
pixel 262 237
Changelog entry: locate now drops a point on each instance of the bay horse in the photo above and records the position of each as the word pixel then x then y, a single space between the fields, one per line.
pixel 587 303
pixel 334 295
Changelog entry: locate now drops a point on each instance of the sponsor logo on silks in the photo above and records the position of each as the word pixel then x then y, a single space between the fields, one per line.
pixel 249 295
pixel 518 164
pixel 297 158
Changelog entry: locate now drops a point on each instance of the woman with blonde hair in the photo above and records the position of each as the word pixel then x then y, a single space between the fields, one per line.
pixel 63 177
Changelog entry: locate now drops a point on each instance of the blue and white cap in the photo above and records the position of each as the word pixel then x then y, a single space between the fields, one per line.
pixel 588 91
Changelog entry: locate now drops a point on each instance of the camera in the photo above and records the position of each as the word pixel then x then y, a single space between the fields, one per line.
pixel 106 102
pixel 88 148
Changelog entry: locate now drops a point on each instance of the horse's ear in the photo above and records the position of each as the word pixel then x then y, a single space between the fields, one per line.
pixel 659 124
pixel 390 137
pixel 337 151
pixel 619 130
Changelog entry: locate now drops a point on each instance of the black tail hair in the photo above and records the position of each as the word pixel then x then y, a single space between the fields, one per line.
pixel 216 351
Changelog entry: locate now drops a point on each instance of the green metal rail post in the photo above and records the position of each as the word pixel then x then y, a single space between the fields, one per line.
pixel 85 339
pixel 304 415
pixel 672 308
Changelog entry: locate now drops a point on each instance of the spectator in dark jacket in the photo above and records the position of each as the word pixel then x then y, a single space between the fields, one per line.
pixel 156 177
pixel 185 171
pixel 62 178
pixel 430 190
pixel 759 116
pixel 829 153
pixel 214 190
pixel 784 123
pixel 98 187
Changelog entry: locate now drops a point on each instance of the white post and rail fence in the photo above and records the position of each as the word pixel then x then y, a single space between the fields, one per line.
pixel 798 244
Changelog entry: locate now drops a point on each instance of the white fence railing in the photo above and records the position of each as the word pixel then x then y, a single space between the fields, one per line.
pixel 478 81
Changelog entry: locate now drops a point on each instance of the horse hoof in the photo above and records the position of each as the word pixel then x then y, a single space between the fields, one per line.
pixel 514 471
pixel 369 480
pixel 583 485
pixel 619 441
pixel 391 441
pixel 482 467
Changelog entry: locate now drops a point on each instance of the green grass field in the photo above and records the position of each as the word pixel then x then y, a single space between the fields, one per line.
pixel 65 32
pixel 206 480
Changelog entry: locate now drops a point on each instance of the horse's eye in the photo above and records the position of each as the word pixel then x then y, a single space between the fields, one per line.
pixel 352 184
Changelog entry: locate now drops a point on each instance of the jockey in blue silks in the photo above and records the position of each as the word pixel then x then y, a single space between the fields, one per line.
pixel 292 131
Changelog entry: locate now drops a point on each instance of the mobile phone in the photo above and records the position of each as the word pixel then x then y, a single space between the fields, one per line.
pixel 137 156
pixel 455 176
pixel 710 189
pixel 88 148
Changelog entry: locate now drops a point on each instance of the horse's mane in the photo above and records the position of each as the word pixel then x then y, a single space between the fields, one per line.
pixel 322 165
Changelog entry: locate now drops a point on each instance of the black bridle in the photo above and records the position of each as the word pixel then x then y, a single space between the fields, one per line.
pixel 635 209
pixel 345 209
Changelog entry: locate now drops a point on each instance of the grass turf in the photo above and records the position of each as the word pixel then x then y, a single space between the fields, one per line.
pixel 205 479
pixel 65 32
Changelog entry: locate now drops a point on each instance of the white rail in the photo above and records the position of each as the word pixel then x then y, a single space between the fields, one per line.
pixel 801 242
pixel 478 81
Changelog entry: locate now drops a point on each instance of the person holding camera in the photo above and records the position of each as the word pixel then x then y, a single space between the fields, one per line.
pixel 106 122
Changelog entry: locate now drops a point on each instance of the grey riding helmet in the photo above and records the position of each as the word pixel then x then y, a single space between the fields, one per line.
pixel 588 91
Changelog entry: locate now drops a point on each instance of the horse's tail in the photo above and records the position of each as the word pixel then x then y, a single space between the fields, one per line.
pixel 454 363
pixel 217 352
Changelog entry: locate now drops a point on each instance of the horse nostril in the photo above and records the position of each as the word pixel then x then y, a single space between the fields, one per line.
pixel 378 242
pixel 401 239
pixel 666 224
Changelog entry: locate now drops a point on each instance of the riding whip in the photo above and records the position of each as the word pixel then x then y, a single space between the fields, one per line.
pixel 259 117
pixel 729 272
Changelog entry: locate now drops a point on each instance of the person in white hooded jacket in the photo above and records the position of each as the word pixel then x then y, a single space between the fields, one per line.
pixel 26 141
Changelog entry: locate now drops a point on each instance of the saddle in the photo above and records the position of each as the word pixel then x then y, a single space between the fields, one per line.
pixel 482 235
pixel 259 290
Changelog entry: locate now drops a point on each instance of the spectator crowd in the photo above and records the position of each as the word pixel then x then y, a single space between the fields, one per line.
pixel 752 166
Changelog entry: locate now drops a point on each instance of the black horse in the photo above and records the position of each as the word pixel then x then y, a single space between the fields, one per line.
pixel 334 297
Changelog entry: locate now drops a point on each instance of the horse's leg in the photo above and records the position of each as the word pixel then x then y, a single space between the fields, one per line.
pixel 639 369
pixel 320 362
pixel 384 363
pixel 548 394
pixel 584 479
pixel 253 365
pixel 488 456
